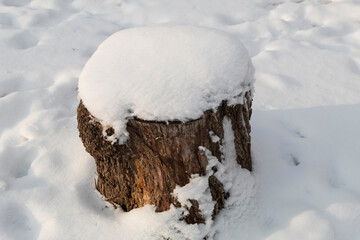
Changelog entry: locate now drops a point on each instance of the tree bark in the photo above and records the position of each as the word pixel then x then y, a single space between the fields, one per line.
pixel 158 156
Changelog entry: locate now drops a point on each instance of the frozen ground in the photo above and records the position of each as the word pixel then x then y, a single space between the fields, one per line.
pixel 305 125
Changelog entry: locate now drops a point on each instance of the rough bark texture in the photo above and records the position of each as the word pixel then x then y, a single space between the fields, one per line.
pixel 158 156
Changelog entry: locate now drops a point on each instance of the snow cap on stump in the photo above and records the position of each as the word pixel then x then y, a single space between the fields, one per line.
pixel 164 73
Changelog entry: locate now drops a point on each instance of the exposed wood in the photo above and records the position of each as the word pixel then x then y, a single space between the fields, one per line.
pixel 158 156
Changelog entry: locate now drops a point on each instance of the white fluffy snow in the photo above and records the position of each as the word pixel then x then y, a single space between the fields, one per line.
pixel 164 73
pixel 305 125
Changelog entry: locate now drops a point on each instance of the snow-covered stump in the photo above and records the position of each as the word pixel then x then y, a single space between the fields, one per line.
pixel 153 102
pixel 159 155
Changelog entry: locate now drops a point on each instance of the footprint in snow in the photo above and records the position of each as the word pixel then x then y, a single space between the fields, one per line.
pixel 15 3
pixel 88 52
pixel 7 20
pixel 23 40
pixel 272 4
pixel 17 222
pixel 10 85
pixel 228 20
pixel 354 66
pixel 48 17
pixel 16 161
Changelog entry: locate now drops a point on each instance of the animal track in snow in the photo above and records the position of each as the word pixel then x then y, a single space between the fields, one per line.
pixel 23 40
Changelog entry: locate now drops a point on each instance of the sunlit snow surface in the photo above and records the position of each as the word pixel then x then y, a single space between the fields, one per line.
pixel 305 125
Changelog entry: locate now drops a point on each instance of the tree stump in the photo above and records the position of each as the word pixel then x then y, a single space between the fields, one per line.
pixel 157 155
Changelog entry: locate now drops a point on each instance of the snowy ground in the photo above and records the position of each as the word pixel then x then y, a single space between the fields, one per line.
pixel 305 125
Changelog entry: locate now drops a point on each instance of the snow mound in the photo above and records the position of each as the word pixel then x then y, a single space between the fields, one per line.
pixel 164 73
